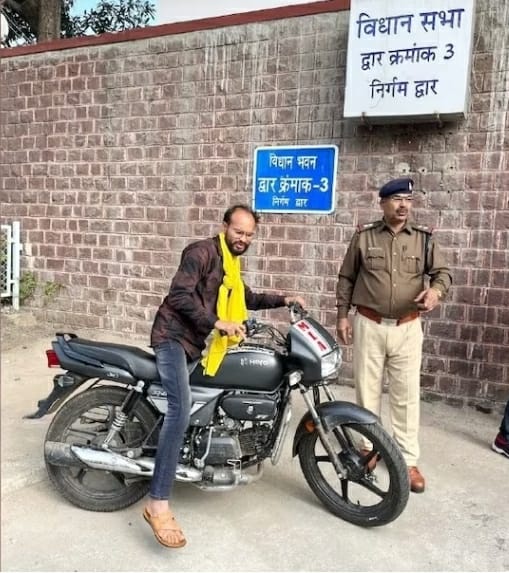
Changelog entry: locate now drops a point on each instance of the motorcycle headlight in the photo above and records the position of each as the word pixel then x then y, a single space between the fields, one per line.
pixel 331 363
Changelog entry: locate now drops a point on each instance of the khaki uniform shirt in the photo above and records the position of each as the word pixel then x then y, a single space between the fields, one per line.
pixel 385 272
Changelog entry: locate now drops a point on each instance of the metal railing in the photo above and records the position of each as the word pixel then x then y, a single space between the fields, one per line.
pixel 10 253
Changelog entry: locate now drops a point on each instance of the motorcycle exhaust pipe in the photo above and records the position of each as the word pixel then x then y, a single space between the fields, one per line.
pixel 60 454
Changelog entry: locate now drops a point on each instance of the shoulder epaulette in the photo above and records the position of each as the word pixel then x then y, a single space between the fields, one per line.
pixel 422 228
pixel 367 226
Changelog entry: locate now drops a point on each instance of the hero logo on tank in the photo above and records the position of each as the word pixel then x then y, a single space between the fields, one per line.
pixel 317 341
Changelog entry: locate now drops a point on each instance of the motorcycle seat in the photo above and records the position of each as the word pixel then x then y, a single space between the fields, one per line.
pixel 141 364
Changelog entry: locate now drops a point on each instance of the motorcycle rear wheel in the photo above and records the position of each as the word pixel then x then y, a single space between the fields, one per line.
pixel 364 497
pixel 85 420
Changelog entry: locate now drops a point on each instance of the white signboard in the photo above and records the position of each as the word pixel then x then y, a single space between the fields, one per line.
pixel 408 58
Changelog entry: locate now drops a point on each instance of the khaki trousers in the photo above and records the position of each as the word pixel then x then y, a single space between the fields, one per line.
pixel 398 351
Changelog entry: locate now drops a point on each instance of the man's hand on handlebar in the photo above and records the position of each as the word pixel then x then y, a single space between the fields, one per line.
pixel 289 300
pixel 227 328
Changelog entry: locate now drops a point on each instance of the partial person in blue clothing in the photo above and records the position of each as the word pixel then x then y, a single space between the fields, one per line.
pixel 501 442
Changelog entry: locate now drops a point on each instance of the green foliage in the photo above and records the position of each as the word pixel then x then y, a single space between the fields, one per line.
pixel 27 286
pixel 107 16
pixel 3 250
pixel 51 289
pixel 113 16
pixel 20 29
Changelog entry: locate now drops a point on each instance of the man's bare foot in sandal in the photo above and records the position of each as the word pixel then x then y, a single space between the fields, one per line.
pixel 164 525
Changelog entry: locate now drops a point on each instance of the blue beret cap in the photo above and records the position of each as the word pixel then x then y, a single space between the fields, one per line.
pixel 401 185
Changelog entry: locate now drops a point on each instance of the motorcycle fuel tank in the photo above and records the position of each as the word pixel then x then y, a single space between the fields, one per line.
pixel 245 367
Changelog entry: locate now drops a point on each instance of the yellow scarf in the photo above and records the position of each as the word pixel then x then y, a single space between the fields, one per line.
pixel 231 306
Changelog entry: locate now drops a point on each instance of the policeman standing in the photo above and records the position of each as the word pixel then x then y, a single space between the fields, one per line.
pixel 384 275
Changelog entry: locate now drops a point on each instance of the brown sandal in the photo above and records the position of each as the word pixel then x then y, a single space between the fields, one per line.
pixel 164 522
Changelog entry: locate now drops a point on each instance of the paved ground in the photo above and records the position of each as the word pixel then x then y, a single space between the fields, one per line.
pixel 461 523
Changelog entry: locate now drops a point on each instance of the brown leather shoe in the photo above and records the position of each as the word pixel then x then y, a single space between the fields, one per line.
pixel 371 465
pixel 417 483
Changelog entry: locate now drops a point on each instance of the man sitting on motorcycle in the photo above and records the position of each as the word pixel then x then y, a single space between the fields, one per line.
pixel 206 294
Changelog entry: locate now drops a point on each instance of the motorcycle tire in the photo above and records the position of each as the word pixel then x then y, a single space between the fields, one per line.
pixel 98 490
pixel 366 497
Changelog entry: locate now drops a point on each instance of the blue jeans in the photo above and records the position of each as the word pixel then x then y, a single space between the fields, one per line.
pixel 173 371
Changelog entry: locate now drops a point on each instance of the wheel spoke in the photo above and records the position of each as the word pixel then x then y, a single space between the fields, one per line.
pixel 344 489
pixel 80 432
pixel 371 486
pixel 323 459
pixel 364 481
pixel 80 476
pixel 368 457
pixel 119 477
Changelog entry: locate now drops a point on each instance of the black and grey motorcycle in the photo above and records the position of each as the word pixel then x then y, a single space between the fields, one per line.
pixel 100 446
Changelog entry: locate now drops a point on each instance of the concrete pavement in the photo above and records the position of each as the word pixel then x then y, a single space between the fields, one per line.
pixel 461 522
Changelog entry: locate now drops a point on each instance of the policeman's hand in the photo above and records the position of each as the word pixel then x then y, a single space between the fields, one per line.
pixel 294 299
pixel 427 299
pixel 227 328
pixel 344 331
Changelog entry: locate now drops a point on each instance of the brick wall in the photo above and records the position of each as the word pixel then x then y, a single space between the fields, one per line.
pixel 114 157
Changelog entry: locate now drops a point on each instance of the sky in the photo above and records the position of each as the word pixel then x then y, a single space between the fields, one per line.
pixel 81 5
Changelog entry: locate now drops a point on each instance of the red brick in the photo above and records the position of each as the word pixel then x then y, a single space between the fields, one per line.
pixel 500 355
pixel 496 392
pixel 453 349
pixel 498 297
pixel 455 312
pixel 463 368
pixel 470 388
pixel 447 384
pixel 500 279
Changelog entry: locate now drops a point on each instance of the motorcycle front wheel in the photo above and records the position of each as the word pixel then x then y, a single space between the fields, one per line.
pixel 85 420
pixel 374 490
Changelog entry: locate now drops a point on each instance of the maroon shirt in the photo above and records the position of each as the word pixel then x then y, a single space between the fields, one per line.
pixel 188 312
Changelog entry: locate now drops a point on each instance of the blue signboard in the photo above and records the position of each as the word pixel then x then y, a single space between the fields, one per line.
pixel 295 179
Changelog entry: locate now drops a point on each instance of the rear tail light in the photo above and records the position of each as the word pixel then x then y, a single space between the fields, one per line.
pixel 53 361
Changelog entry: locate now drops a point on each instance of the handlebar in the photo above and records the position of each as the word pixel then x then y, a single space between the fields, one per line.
pixel 253 326
pixel 297 311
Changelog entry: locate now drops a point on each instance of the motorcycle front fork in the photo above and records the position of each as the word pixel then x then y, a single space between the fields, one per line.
pixel 122 415
pixel 322 433
pixel 328 393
